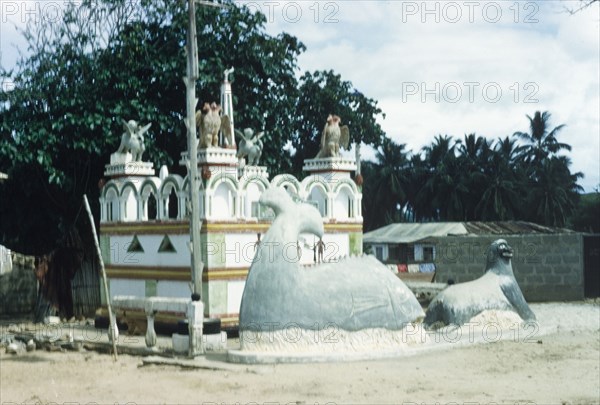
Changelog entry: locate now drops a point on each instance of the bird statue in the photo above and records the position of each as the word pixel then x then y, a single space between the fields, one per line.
pixel 497 289
pixel 333 137
pixel 250 146
pixel 209 122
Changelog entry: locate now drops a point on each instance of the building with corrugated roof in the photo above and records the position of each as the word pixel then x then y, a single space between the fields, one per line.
pixel 549 263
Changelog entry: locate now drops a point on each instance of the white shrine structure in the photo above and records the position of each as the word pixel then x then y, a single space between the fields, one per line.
pixel 145 228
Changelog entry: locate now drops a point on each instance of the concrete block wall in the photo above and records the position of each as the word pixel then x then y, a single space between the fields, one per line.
pixel 548 267
pixel 18 288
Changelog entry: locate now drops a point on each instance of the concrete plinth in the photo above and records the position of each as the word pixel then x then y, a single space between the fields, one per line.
pixel 338 167
pixel 121 164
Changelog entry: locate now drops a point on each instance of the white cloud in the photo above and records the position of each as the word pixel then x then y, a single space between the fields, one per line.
pixel 384 48
pixel 549 65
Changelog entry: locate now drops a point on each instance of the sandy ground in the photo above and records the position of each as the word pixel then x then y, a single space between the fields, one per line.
pixel 558 364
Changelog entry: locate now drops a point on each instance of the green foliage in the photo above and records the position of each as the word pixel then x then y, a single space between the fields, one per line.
pixel 477 180
pixel 587 214
pixel 322 93
pixel 112 59
pixel 387 185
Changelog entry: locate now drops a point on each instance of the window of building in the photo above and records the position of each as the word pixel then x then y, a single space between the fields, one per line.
pixel 428 253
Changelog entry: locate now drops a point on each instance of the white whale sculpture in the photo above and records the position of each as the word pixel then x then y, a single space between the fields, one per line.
pixel 286 306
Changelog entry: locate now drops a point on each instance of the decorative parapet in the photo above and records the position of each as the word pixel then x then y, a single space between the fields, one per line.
pixel 213 156
pixel 330 164
pixel 122 164
pixel 254 171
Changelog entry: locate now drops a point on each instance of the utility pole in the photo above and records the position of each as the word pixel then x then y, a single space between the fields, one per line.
pixel 190 122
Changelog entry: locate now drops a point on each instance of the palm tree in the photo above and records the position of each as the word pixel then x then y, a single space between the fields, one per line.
pixel 443 190
pixel 474 156
pixel 540 142
pixel 551 187
pixel 499 199
pixel 418 209
pixel 554 194
pixel 385 189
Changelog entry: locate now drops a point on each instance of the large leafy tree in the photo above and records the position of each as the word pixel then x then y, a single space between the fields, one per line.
pixel 322 93
pixel 111 60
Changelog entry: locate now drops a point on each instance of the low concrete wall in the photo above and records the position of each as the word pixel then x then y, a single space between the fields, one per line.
pixel 18 288
pixel 547 267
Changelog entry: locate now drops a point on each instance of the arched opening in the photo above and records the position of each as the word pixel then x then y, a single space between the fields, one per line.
pixel 172 205
pixel 130 209
pixel 112 206
pixel 170 200
pixel 252 208
pixel 319 198
pixel 152 207
pixel 342 206
pixel 223 202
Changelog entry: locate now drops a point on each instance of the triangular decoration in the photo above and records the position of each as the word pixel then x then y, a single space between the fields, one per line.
pixel 166 246
pixel 135 245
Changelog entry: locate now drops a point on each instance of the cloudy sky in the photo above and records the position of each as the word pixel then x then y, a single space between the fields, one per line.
pixel 442 67
pixel 460 67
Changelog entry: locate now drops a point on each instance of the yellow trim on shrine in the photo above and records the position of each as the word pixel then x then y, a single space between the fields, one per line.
pixel 150 273
pixel 224 227
pixel 179 227
pixel 230 274
pixel 173 273
pixel 143 228
pixel 343 227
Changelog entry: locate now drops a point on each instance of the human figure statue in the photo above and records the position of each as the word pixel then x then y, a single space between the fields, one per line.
pixel 257 243
pixel 320 250
pixel 132 140
pixel 333 137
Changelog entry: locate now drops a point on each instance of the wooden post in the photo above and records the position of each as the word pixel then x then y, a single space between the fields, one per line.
pixel 111 320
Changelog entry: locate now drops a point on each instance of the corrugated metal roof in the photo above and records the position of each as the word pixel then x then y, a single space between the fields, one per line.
pixel 414 232
pixel 511 228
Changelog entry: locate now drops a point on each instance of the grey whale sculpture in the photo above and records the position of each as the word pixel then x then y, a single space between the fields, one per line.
pixel 497 289
pixel 354 294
